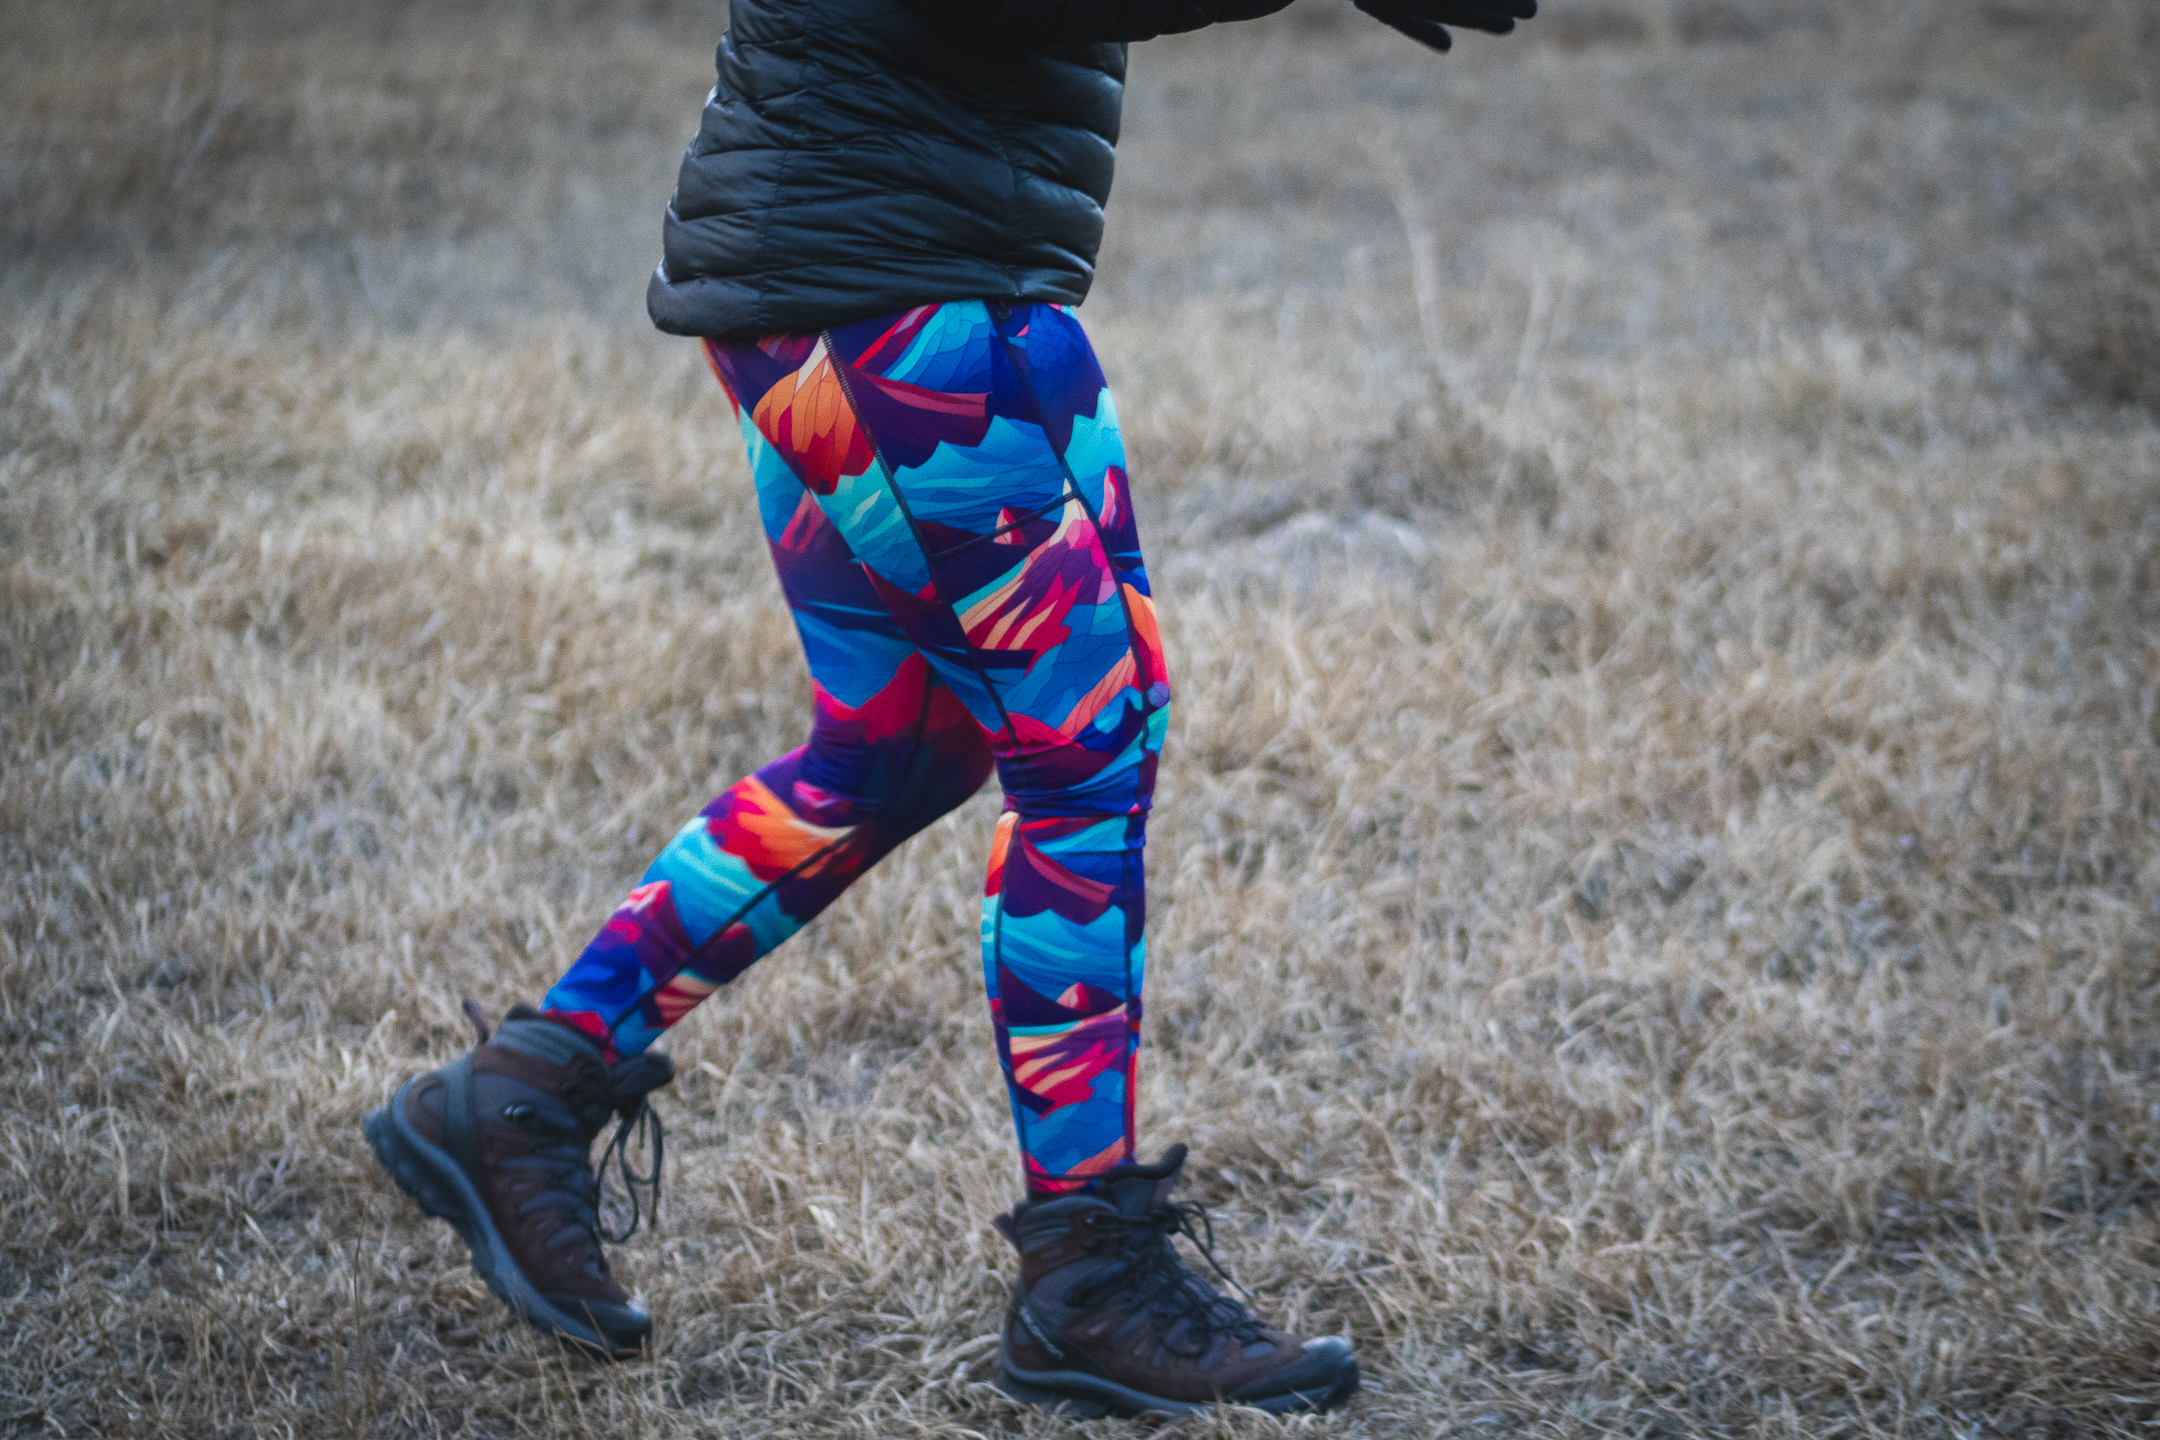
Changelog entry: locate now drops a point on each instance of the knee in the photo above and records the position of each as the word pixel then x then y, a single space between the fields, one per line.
pixel 1106 769
pixel 905 779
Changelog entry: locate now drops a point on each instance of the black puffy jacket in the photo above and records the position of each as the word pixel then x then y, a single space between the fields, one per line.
pixel 863 156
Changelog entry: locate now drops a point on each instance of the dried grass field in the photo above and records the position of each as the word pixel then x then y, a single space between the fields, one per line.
pixel 1657 869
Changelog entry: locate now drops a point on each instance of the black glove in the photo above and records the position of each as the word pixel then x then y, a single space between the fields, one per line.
pixel 1083 22
pixel 1425 21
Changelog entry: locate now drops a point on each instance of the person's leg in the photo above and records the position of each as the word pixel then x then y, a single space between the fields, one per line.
pixel 498 1142
pixel 983 486
pixel 891 749
pixel 981 480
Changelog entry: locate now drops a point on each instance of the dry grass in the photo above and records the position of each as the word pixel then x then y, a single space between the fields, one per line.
pixel 1657 876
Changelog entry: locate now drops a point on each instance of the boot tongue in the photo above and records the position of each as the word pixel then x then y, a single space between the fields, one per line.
pixel 1136 1189
pixel 1135 1197
pixel 636 1077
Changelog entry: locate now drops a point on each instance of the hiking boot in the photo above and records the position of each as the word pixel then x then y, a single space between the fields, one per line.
pixel 1107 1319
pixel 499 1144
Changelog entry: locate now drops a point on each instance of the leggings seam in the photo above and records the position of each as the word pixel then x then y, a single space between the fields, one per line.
pixel 997 957
pixel 723 927
pixel 922 548
pixel 1066 497
pixel 1072 484
pixel 1132 632
pixel 922 723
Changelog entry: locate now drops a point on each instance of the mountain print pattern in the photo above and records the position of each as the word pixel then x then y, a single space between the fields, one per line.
pixel 945 497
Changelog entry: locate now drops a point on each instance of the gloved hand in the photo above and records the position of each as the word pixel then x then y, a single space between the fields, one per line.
pixel 1425 21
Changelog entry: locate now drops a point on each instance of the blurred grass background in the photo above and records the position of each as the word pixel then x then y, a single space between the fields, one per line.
pixel 1657 522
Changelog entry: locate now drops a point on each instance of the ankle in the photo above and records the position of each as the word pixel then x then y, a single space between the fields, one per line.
pixel 1038 1186
pixel 584 1024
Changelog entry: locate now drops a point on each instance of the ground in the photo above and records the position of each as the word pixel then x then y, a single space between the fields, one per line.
pixel 1657 867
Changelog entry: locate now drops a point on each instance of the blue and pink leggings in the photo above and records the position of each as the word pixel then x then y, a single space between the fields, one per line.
pixel 945 495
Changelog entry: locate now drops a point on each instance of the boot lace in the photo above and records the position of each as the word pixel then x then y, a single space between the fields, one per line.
pixel 1150 1274
pixel 641 1127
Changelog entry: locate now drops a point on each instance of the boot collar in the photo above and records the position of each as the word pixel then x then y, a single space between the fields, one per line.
pixel 1134 1188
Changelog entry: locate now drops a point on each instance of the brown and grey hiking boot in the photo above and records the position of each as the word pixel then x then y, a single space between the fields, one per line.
pixel 1107 1319
pixel 499 1144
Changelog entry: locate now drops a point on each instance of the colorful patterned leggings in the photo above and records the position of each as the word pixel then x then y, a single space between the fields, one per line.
pixel 945 496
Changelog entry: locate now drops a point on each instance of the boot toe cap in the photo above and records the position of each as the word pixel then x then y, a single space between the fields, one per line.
pixel 625 1328
pixel 1324 1374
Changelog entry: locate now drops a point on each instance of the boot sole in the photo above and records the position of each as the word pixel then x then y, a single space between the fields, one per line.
pixel 1090 1397
pixel 439 1185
